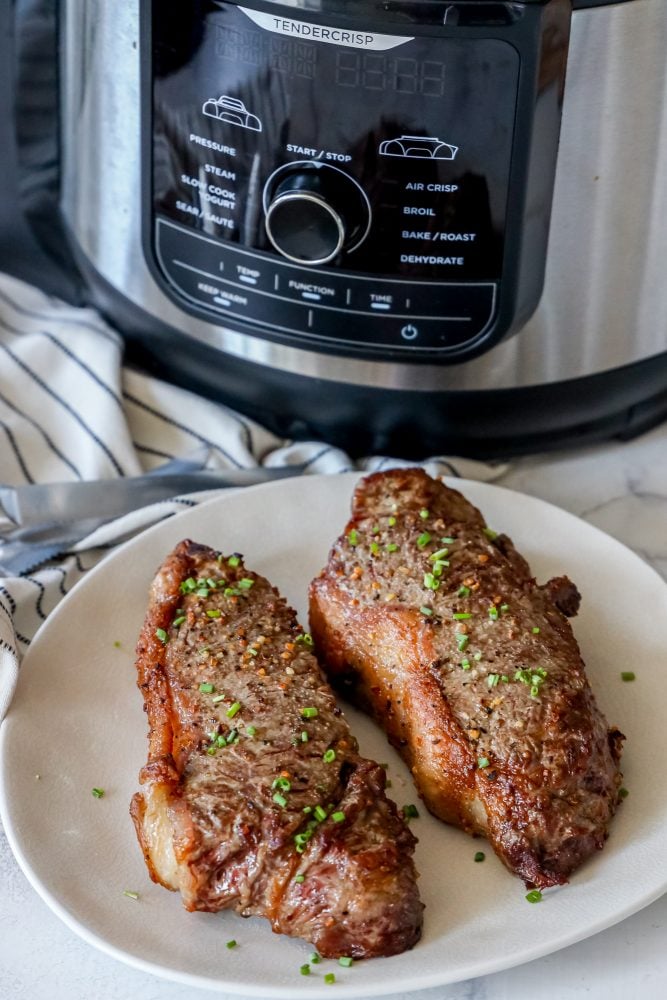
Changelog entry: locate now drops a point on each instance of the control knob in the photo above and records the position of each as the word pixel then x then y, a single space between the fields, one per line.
pixel 314 212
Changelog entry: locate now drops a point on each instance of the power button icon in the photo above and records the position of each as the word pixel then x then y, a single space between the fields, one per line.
pixel 409 332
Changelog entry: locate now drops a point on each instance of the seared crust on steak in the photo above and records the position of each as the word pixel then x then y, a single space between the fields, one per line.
pixel 253 777
pixel 435 625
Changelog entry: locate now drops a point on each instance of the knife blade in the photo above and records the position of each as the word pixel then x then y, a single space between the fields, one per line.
pixel 42 504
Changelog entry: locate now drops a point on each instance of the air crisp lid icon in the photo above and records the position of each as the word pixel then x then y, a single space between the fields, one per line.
pixel 418 146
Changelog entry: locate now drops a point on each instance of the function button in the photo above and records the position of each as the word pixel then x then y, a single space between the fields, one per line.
pixel 313 289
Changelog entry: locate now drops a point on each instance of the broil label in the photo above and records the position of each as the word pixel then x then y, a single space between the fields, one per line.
pixel 325 33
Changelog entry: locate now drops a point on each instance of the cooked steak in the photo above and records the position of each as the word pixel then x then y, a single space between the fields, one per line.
pixel 254 796
pixel 435 625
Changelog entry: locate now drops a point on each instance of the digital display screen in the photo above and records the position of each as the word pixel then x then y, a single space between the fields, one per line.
pixel 365 70
pixel 424 125
pixel 371 71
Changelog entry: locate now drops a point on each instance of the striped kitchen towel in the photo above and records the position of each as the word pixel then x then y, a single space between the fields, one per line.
pixel 70 410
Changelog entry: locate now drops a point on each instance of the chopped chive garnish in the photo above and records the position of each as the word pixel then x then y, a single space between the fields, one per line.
pixel 535 631
pixel 353 537
pixel 178 621
pixel 479 856
pixel 328 756
pixel 463 592
pixel 375 548
pixel 533 678
pixel 424 513
pixel 338 817
pixel 202 592
pixel 448 539
pixel 439 565
pixel 279 799
pixel 233 709
pixel 492 680
pixel 305 970
pixel 345 961
pixel 304 736
pixel 130 894
pixel 490 533
pixel 440 554
pixel 391 547
pixel 97 793
pixel 306 638
pixel 299 878
pixel 246 583
pixel 207 688
pixel 250 730
pixel 410 812
pixel 493 613
pixel 430 582
pixel 187 586
pixel 315 959
pixel 423 539
pixel 391 521
pixel 329 978
pixel 218 698
pixel 461 616
pixel 284 784
pixel 628 675
pixel 234 561
pixel 534 896
pixel 309 712
pixel 231 592
pixel 462 641
pixel 231 944
pixel 426 611
pixel 504 608
pixel 320 813
pixel 213 613
pixel 477 656
pixel 162 636
pixel 482 762
pixel 465 664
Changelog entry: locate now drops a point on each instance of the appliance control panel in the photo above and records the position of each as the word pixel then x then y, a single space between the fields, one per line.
pixel 362 184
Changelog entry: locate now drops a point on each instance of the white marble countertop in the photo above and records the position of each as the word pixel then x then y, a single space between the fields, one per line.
pixel 622 489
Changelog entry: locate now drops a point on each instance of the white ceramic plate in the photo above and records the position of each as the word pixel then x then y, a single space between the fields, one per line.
pixel 77 721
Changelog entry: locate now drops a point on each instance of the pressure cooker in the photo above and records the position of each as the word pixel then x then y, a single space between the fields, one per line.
pixel 399 226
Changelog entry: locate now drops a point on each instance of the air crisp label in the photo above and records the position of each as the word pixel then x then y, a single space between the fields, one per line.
pixel 324 33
